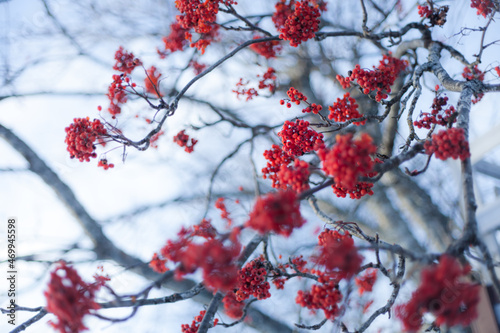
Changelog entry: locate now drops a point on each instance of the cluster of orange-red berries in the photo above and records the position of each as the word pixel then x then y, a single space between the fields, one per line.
pixel 182 139
pixel 195 324
pixel 348 159
pixel 267 49
pixel 81 136
pixel 448 143
pixel 345 109
pixel 277 212
pixel 380 79
pixel 484 7
pixel 298 139
pixel 302 24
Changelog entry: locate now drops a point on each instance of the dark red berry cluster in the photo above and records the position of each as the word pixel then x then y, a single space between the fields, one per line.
pixel 252 281
pixel 348 159
pixel 380 79
pixel 295 176
pixel 267 49
pixel 278 212
pixel 151 82
pixel 276 159
pixel 182 139
pixel 117 94
pixel 474 74
pixel 81 136
pixel 444 292
pixel 195 324
pixel 345 109
pixel 125 61
pixel 175 41
pixel 448 143
pixel 435 14
pixel 298 138
pixel 437 116
pixel 302 24
pixel 325 296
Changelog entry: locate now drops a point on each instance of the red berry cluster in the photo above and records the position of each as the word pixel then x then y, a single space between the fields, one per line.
pixel 436 116
pixel 298 138
pixel 219 204
pixel 475 74
pixel 205 39
pixel 267 49
pixel 338 254
pixel 151 81
pixel 282 12
pixel 158 264
pixel 125 61
pixel 325 296
pixel 252 281
pixel 436 15
pixel 232 307
pixel 182 139
pixel 366 281
pixel 197 15
pixel 250 93
pixel 484 7
pixel 175 41
pixel 302 24
pixel 195 325
pixel 212 255
pixel 268 80
pixel 70 298
pixel 379 79
pixel 117 94
pixel 105 165
pixel 295 97
pixel 197 67
pixel 296 177
pixel 153 141
pixel 443 293
pixel 345 109
pixel 497 69
pixel 348 159
pixel 361 189
pixel 80 138
pixel 448 143
pixel 278 212
pixel 276 159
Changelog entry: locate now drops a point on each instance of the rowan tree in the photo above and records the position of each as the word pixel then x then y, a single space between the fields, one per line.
pixel 299 146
